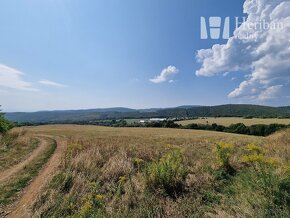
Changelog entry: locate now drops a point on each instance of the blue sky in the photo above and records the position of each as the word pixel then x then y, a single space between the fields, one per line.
pixel 70 54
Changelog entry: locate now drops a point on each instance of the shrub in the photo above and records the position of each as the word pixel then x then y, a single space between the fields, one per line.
pixel 168 173
pixel 223 153
pixel 258 129
pixel 273 128
pixel 8 140
pixel 255 157
pixel 121 183
pixel 5 125
pixel 93 204
pixel 138 163
pixel 252 148
pixel 73 149
pixel 218 128
pixel 263 189
pixel 238 128
pixel 283 193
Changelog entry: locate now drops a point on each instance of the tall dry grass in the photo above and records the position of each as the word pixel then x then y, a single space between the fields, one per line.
pixel 111 172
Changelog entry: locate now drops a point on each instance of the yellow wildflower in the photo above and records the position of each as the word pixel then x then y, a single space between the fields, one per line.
pixel 252 158
pixel 259 158
pixel 122 179
pixel 86 207
pixel 272 161
pixel 225 146
pixel 138 161
pixel 99 197
pixel 286 168
pixel 254 148
pixel 169 146
pixel 93 184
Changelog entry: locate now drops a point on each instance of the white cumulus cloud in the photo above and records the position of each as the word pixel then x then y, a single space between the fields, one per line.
pixel 165 75
pixel 12 78
pixel 270 92
pixel 263 50
pixel 51 83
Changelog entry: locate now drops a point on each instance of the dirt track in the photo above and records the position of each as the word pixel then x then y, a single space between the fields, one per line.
pixel 30 193
pixel 5 175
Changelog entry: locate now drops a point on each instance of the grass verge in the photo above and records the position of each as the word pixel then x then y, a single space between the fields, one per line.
pixel 14 148
pixel 10 189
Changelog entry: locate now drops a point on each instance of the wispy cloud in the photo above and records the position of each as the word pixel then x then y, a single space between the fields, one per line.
pixel 51 83
pixel 12 78
pixel 165 75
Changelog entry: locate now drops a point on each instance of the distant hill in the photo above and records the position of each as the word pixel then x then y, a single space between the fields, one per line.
pixel 230 110
pixel 160 109
pixel 71 116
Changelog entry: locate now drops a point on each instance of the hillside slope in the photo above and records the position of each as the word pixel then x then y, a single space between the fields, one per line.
pixel 71 116
pixel 230 110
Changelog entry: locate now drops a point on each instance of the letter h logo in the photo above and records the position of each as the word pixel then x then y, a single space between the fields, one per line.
pixel 215 27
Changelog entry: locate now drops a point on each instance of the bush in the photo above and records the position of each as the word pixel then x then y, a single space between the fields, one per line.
pixel 265 130
pixel 238 128
pixel 218 128
pixel 5 125
pixel 263 189
pixel 223 153
pixel 167 174
pixel 93 204
pixel 273 128
pixel 73 149
pixel 283 193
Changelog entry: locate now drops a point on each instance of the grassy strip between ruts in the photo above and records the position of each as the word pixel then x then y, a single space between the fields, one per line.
pixel 15 147
pixel 14 185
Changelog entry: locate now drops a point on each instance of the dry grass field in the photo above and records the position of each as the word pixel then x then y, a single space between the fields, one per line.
pixel 22 157
pixel 147 172
pixel 227 121
pixel 14 148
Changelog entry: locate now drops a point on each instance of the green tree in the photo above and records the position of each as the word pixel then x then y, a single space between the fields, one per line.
pixel 5 125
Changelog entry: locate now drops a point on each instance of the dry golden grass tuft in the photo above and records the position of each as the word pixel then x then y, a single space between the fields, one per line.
pixel 15 147
pixel 118 165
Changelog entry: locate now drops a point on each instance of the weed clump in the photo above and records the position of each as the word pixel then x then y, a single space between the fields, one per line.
pixel 223 153
pixel 73 149
pixel 138 163
pixel 93 203
pixel 167 174
pixel 255 156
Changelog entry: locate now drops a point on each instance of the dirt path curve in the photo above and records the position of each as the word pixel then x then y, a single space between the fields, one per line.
pixel 22 207
pixel 6 174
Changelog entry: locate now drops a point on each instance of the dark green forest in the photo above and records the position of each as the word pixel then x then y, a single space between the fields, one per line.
pixel 91 115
